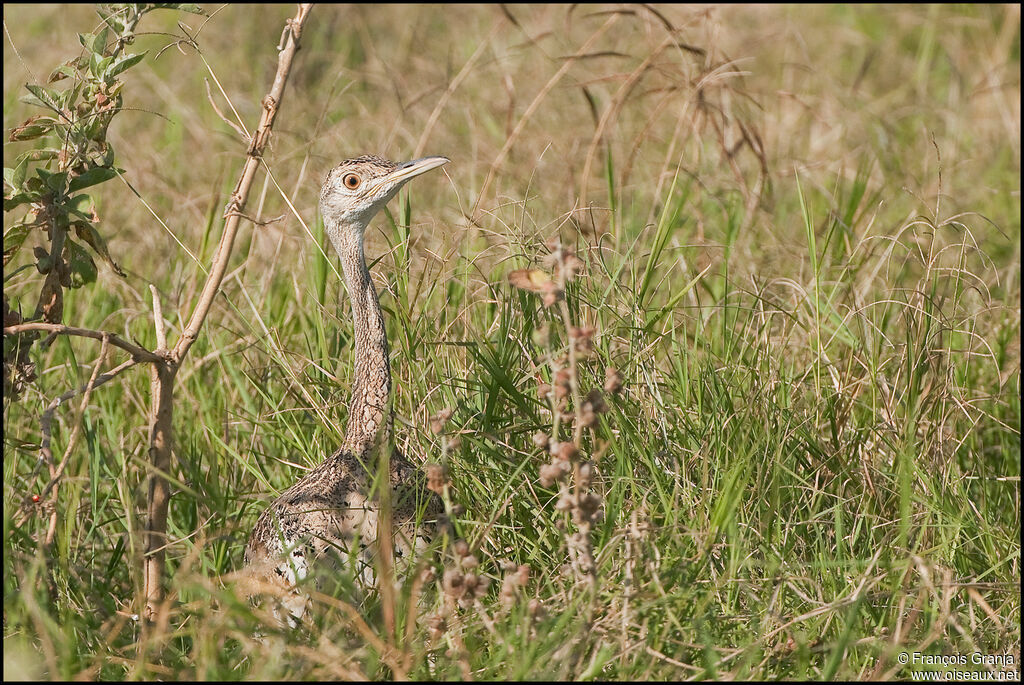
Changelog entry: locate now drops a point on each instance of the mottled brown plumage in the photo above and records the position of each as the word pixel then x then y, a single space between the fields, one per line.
pixel 322 516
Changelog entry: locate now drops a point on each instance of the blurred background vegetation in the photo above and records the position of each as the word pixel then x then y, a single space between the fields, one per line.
pixel 801 226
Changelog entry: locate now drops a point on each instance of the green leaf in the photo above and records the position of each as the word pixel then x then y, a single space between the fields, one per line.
pixel 96 129
pixel 87 40
pixel 101 40
pixel 108 156
pixel 70 95
pixel 57 182
pixel 98 64
pixel 111 19
pixel 75 204
pixel 87 232
pixel 17 175
pixel 123 63
pixel 91 177
pixel 33 128
pixel 13 239
pixel 81 265
pixel 44 97
pixel 18 200
pixel 66 70
pixel 94 42
pixel 35 185
pixel 38 155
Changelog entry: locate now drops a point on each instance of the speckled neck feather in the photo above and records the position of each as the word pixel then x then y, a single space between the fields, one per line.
pixel 371 385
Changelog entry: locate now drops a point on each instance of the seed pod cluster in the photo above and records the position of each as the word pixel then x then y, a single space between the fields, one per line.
pixel 563 261
pixel 560 466
pixel 437 478
pixel 462 583
pixel 516 577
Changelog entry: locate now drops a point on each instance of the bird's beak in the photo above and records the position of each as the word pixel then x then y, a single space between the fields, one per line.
pixel 407 170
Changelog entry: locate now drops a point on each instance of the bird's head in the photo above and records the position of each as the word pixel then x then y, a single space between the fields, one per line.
pixel 357 189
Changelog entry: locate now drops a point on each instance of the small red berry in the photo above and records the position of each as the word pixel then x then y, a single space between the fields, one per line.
pixel 35 498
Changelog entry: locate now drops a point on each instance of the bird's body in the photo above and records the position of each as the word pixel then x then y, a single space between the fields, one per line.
pixel 329 514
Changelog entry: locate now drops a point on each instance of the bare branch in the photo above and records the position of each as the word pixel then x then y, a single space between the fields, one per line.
pixel 140 354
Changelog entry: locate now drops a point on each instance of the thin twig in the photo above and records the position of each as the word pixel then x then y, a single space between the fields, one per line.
pixel 46 421
pixel 158 320
pixel 238 129
pixel 140 354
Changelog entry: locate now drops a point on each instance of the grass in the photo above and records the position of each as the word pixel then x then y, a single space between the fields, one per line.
pixel 814 462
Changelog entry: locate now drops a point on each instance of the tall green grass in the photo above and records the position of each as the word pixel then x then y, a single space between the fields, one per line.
pixel 813 464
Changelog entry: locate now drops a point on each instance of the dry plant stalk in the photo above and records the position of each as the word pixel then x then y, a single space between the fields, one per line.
pixel 162 414
pixel 567 457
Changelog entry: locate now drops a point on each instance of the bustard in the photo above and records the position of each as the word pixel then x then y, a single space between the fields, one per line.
pixel 327 511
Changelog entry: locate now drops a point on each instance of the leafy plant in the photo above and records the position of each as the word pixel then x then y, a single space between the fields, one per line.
pixel 71 154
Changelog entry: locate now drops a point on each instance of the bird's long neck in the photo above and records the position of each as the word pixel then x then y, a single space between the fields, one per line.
pixel 368 410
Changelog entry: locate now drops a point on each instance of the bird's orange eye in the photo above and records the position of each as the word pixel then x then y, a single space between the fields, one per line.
pixel 351 181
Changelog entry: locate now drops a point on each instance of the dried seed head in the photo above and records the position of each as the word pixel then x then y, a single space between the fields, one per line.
pixel 563 260
pixel 436 626
pixel 461 548
pixel 536 609
pixel 470 562
pixel 588 419
pixel 543 390
pixel 586 473
pixel 550 294
pixel 454 442
pixel 596 400
pixel 542 440
pixel 567 451
pixel 562 386
pixel 549 475
pixel 583 339
pixel 571 265
pixel 508 592
pixel 438 420
pixel 437 478
pixel 612 380
pixel 454 583
pixel 515 578
pixel 589 504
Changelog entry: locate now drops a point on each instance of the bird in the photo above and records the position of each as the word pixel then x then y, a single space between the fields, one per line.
pixel 326 514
